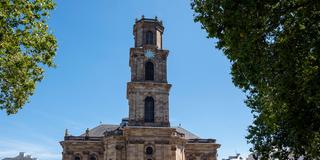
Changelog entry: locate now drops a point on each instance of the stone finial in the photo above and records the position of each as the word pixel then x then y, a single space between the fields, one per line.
pixel 142 17
pixel 87 132
pixel 66 133
pixel 156 18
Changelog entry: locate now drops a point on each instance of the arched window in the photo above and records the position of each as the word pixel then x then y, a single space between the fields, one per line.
pixel 93 157
pixel 149 110
pixel 77 157
pixel 149 71
pixel 149 37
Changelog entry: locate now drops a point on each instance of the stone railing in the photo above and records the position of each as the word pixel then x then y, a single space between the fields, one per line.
pixel 201 141
pixel 178 134
pixel 82 138
pixel 117 132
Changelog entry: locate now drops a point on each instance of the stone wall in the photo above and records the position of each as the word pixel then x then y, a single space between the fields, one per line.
pixel 138 60
pixel 131 143
pixel 201 151
pixel 83 149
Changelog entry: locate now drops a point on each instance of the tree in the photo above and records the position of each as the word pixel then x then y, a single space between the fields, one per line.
pixel 26 48
pixel 273 47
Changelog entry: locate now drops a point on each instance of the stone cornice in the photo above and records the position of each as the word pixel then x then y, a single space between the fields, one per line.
pixel 148 85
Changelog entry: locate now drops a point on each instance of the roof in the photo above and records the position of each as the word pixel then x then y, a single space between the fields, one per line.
pixel 187 133
pixel 99 131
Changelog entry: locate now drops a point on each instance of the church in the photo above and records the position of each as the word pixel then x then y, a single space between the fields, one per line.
pixel 146 134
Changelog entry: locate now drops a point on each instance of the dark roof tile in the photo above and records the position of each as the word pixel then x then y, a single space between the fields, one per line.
pixel 99 131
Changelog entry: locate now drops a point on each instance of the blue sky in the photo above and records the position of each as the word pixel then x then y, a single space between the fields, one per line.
pixel 89 84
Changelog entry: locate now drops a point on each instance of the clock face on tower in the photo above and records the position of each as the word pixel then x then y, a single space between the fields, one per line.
pixel 149 54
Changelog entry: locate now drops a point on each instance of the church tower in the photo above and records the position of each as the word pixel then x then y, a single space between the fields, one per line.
pixel 148 91
pixel 146 134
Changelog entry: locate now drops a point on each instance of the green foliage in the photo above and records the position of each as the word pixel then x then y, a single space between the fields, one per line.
pixel 274 50
pixel 26 47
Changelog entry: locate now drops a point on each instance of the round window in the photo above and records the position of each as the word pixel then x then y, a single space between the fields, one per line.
pixel 149 150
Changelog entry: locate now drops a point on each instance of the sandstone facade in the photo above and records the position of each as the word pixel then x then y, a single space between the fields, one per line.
pixel 146 134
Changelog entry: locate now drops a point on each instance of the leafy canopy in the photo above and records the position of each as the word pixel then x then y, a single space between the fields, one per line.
pixel 274 50
pixel 26 47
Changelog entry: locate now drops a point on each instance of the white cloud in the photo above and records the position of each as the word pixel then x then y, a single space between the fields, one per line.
pixel 11 148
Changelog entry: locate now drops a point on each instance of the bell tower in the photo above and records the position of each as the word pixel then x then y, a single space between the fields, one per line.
pixel 148 90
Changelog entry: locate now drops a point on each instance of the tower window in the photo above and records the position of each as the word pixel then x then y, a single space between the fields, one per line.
pixel 149 37
pixel 149 110
pixel 149 71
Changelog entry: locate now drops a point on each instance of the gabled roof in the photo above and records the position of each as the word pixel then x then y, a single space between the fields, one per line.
pixel 99 131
